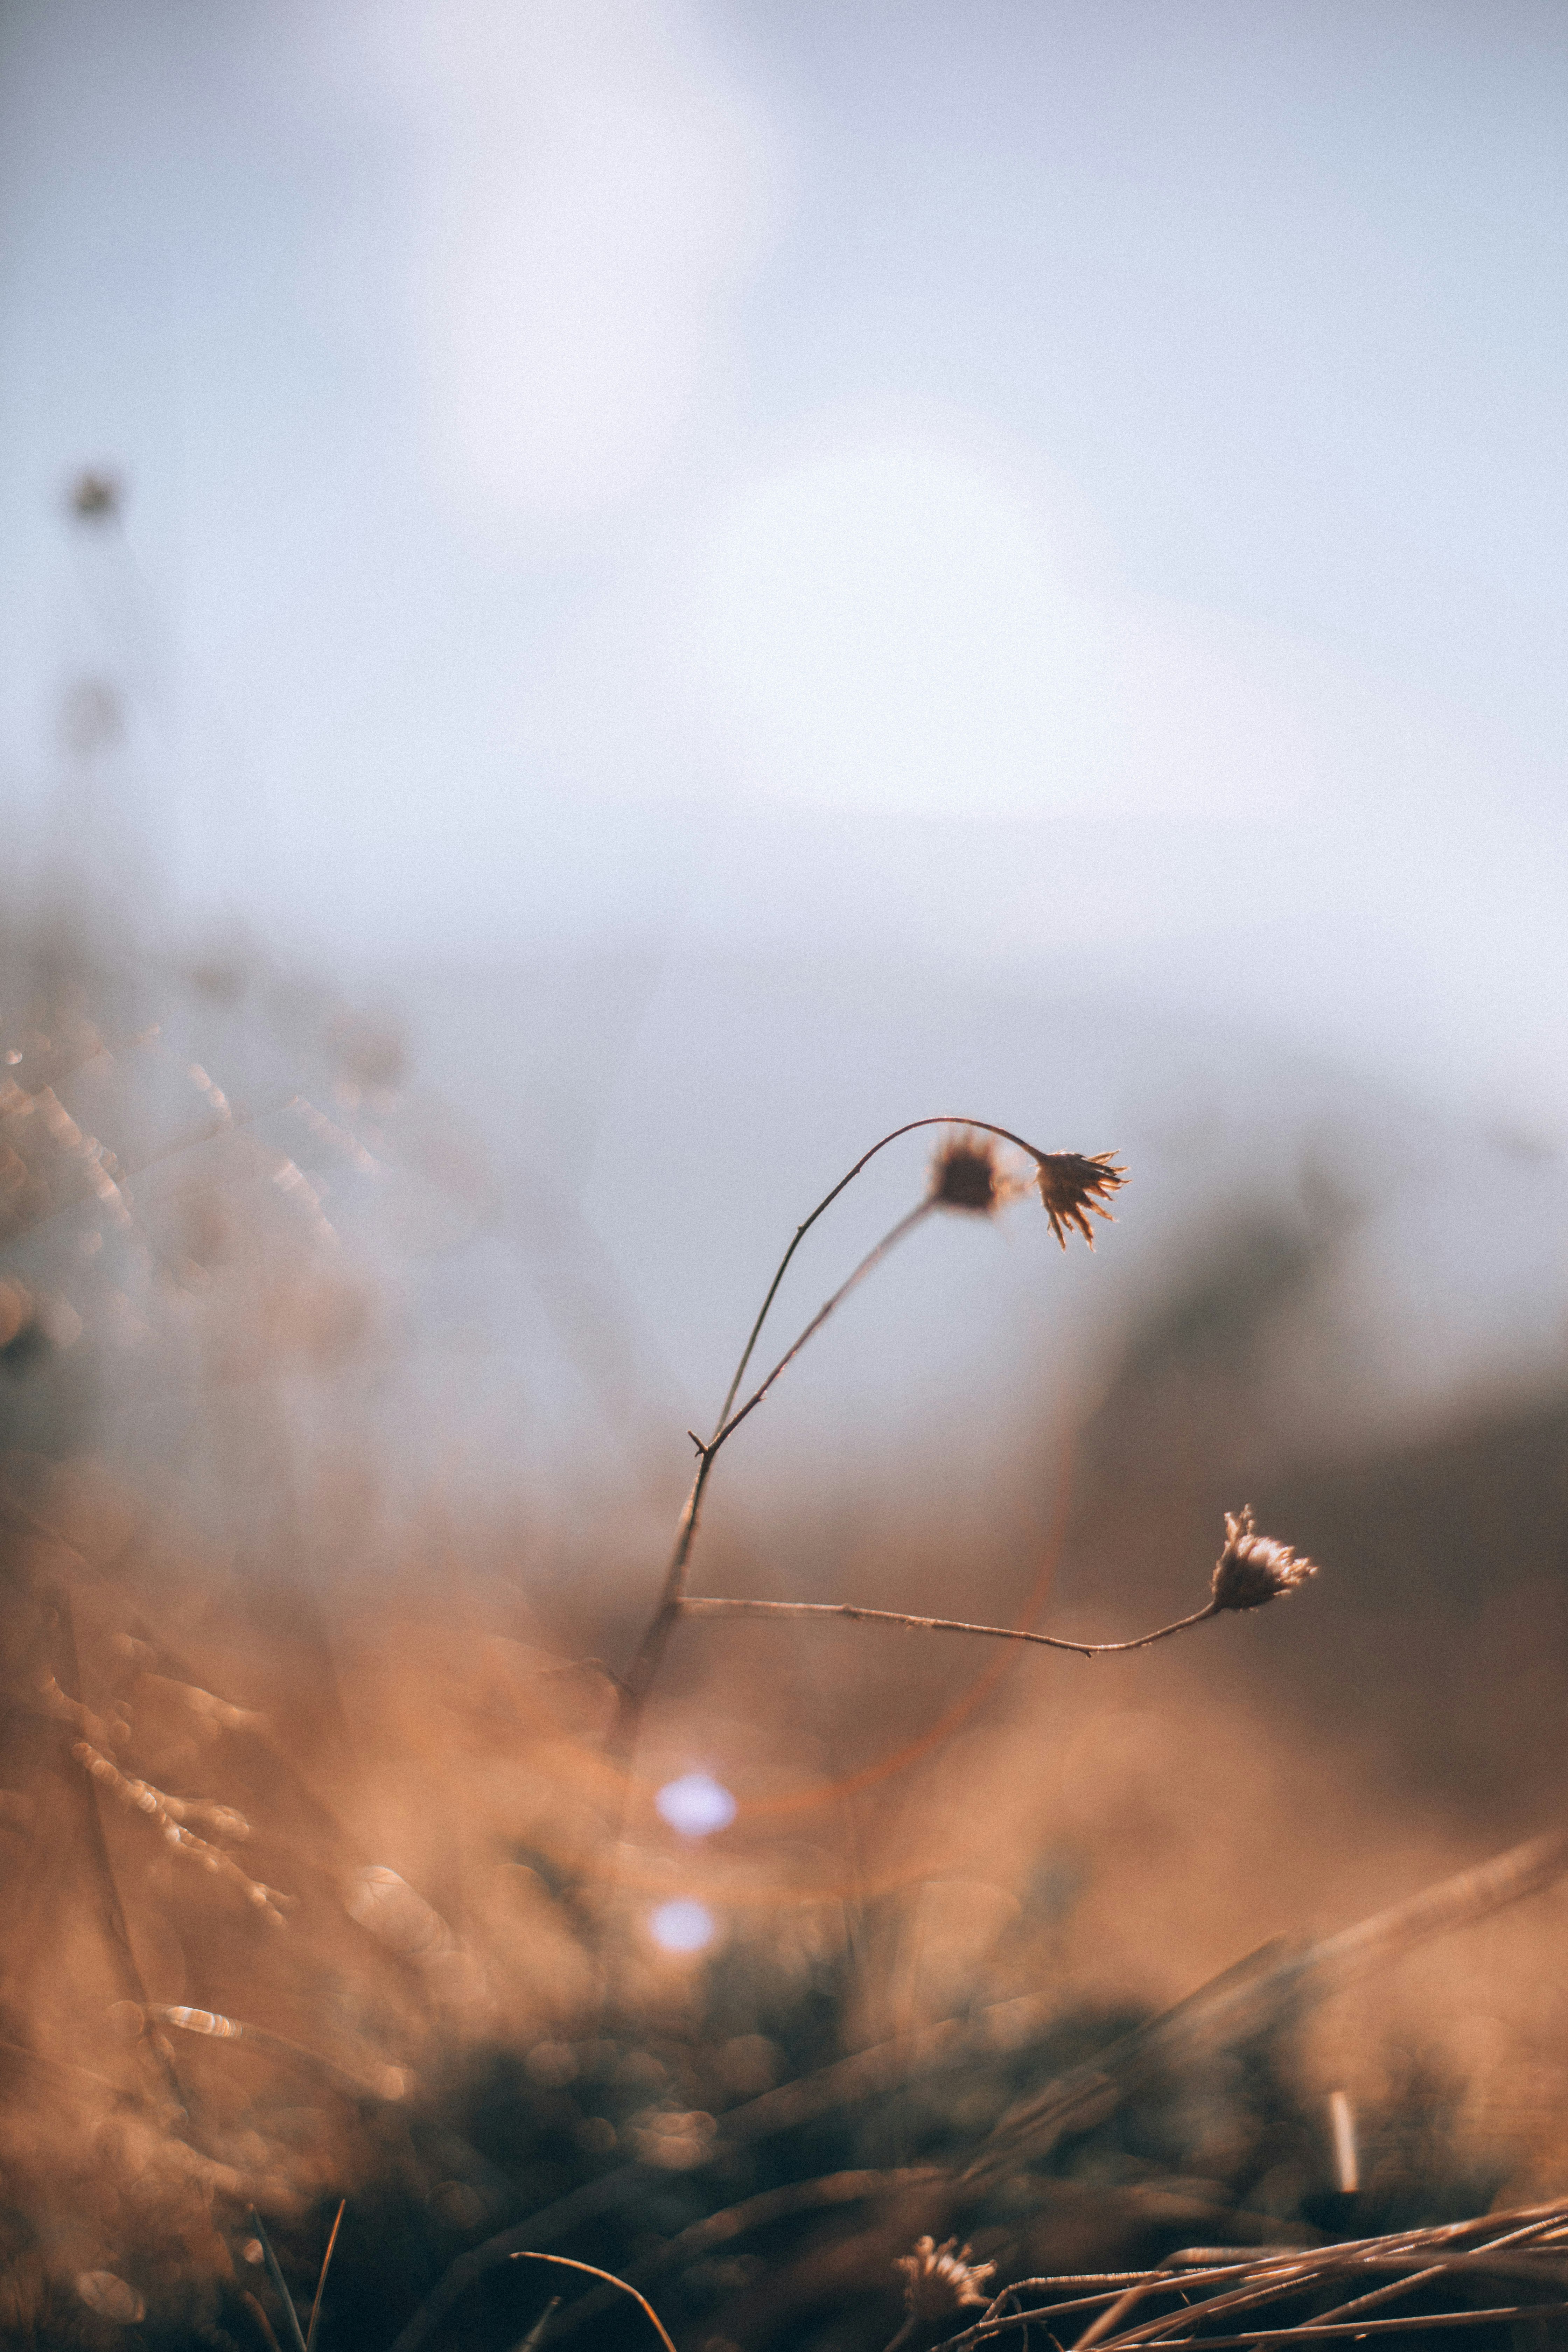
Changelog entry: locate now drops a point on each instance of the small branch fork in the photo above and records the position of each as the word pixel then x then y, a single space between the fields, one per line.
pixel 675 1601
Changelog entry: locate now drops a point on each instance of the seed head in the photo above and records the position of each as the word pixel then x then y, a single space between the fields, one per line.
pixel 1072 1186
pixel 1254 1569
pixel 967 1173
pixel 940 2279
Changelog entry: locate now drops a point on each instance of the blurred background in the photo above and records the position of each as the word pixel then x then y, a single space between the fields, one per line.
pixel 605 599
pixel 740 574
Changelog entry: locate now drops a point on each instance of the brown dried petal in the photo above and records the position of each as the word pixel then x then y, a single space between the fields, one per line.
pixel 1254 1569
pixel 1074 1187
pixel 940 2279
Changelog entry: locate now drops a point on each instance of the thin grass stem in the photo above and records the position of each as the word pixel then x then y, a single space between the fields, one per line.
pixel 714 1604
pixel 322 2281
pixel 279 2287
pixel 940 1118
pixel 645 1664
pixel 591 2270
pixel 644 1667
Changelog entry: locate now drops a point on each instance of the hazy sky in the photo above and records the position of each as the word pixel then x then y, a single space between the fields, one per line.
pixel 1077 489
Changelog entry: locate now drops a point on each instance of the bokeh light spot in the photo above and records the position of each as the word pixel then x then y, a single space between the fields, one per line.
pixel 682 1927
pixel 696 1804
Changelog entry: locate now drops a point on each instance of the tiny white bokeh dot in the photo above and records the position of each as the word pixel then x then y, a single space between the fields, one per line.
pixel 696 1804
pixel 682 1927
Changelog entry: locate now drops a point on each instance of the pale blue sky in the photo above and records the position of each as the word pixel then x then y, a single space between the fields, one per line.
pixel 1071 488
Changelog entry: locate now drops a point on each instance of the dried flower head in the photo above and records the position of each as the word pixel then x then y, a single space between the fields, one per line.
pixel 940 2279
pixel 1253 1569
pixel 1071 1186
pixel 966 1174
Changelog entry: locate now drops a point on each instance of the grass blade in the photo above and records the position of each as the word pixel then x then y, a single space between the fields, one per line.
pixel 297 2341
pixel 321 2283
pixel 564 2262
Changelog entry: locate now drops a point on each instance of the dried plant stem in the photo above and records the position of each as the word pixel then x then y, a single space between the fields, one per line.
pixel 322 2279
pixel 644 1667
pixel 1309 2331
pixel 591 2270
pixel 867 1264
pixel 942 1119
pixel 1422 2258
pixel 279 2285
pixel 645 1664
pixel 704 1604
pixel 1312 2329
pixel 1311 2269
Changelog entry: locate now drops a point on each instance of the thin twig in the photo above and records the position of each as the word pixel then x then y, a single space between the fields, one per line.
pixel 645 1664
pixel 1312 2330
pixel 703 1604
pixel 1279 2277
pixel 650 1650
pixel 943 1118
pixel 563 2261
pixel 1472 2258
pixel 872 1259
pixel 640 1674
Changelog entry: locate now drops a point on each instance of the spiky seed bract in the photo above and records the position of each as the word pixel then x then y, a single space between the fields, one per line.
pixel 1253 1570
pixel 941 2280
pixel 1073 1187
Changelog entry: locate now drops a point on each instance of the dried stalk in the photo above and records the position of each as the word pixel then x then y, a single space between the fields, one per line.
pixel 1252 1570
pixel 1099 1178
pixel 644 1667
pixel 1244 2285
pixel 698 1605
pixel 591 2270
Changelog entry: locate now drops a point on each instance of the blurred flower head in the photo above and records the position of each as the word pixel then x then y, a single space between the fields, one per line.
pixel 966 1174
pixel 941 2280
pixel 95 496
pixel 1073 1187
pixel 1254 1569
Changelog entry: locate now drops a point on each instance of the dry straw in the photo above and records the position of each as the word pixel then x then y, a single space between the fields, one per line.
pixel 1524 2253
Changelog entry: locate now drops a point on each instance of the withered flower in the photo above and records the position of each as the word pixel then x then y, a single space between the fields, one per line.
pixel 966 1174
pixel 1254 1569
pixel 941 2280
pixel 1072 1187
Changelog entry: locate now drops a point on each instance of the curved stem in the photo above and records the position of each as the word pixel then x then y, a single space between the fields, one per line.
pixel 706 1605
pixel 872 1259
pixel 939 1118
pixel 591 2270
pixel 639 1676
pixel 645 1664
